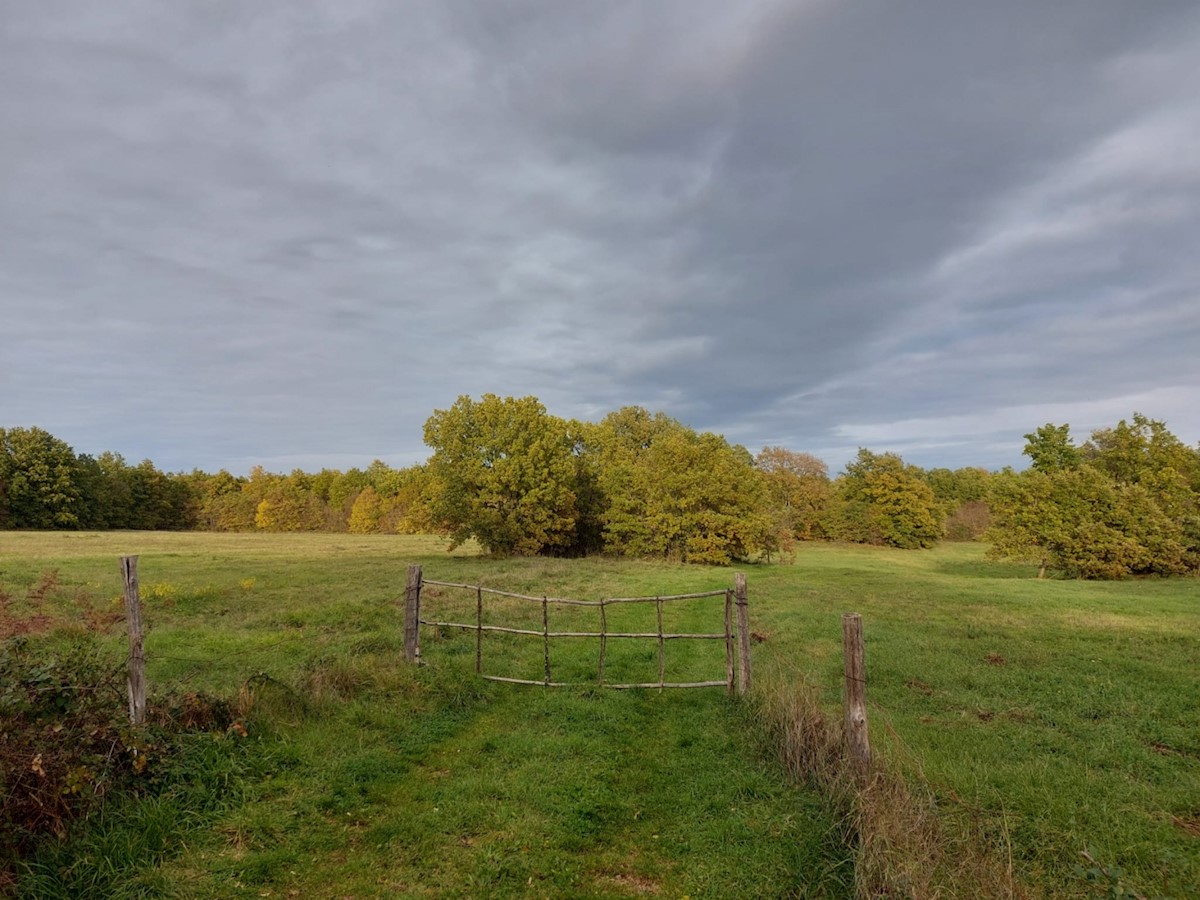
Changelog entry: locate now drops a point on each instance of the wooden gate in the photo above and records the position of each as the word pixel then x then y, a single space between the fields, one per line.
pixel 737 640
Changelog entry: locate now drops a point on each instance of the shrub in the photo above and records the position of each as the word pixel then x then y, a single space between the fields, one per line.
pixel 66 746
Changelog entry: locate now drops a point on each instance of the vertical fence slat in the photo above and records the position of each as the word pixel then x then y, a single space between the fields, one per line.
pixel 546 636
pixel 744 670
pixel 603 640
pixel 729 680
pixel 662 655
pixel 137 657
pixel 856 690
pixel 478 630
pixel 412 615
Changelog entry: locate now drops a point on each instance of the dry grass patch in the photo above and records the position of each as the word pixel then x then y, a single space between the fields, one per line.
pixel 904 843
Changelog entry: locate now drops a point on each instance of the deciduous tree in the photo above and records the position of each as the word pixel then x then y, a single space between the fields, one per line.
pixel 1051 449
pixel 880 500
pixel 1082 523
pixel 672 492
pixel 798 489
pixel 504 474
pixel 40 477
pixel 365 513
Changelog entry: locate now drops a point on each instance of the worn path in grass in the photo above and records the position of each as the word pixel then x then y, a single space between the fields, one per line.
pixel 534 794
pixel 384 780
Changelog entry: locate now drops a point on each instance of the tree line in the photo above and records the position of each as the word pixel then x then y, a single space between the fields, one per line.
pixel 1125 502
pixel 508 474
pixel 44 484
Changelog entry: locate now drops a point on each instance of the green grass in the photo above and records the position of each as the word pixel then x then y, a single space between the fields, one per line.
pixel 1053 715
pixel 1048 716
pixel 378 779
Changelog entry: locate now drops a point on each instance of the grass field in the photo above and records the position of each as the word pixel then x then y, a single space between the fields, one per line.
pixel 1048 717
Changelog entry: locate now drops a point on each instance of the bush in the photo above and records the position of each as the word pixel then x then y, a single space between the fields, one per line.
pixel 66 746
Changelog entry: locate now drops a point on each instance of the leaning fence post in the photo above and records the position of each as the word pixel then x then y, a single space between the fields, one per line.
pixel 856 690
pixel 743 617
pixel 137 658
pixel 412 615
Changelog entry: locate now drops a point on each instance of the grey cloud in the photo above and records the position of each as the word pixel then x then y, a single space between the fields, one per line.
pixel 288 231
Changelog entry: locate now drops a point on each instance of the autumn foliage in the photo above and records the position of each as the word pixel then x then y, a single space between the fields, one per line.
pixel 507 473
pixel 1127 502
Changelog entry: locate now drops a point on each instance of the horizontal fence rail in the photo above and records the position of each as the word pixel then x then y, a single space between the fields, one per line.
pixel 565 602
pixel 414 621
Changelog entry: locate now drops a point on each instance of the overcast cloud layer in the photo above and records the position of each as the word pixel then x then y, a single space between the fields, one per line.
pixel 285 232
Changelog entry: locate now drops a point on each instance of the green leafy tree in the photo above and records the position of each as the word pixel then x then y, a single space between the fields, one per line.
pixel 672 492
pixel 1083 524
pixel 1025 518
pixel 617 448
pixel 1143 452
pixel 160 501
pixel 115 488
pixel 504 473
pixel 413 510
pixel 93 511
pixel 41 480
pixel 1131 452
pixel 881 500
pixel 1051 449
pixel 954 487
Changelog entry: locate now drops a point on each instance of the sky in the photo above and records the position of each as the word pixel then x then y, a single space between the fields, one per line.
pixel 283 233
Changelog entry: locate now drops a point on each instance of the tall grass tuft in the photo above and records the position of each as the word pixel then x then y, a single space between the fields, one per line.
pixel 903 844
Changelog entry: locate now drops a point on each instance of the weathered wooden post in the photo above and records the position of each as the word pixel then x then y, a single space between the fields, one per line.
pixel 412 615
pixel 662 650
pixel 546 636
pixel 478 630
pixel 856 691
pixel 743 617
pixel 729 679
pixel 137 657
pixel 603 642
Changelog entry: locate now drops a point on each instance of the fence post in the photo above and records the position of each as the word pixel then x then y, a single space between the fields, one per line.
pixel 662 650
pixel 856 690
pixel 729 678
pixel 137 658
pixel 603 642
pixel 743 616
pixel 546 636
pixel 412 615
pixel 478 630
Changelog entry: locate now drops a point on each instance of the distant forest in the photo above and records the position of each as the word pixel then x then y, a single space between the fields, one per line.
pixel 505 472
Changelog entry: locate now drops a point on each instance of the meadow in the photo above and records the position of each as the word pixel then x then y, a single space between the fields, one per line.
pixel 1043 719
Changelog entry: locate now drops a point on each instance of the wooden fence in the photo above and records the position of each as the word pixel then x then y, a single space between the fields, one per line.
pixel 737 640
pixel 738 672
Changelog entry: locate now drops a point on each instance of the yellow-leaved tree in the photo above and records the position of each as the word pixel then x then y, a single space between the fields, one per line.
pixel 503 472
